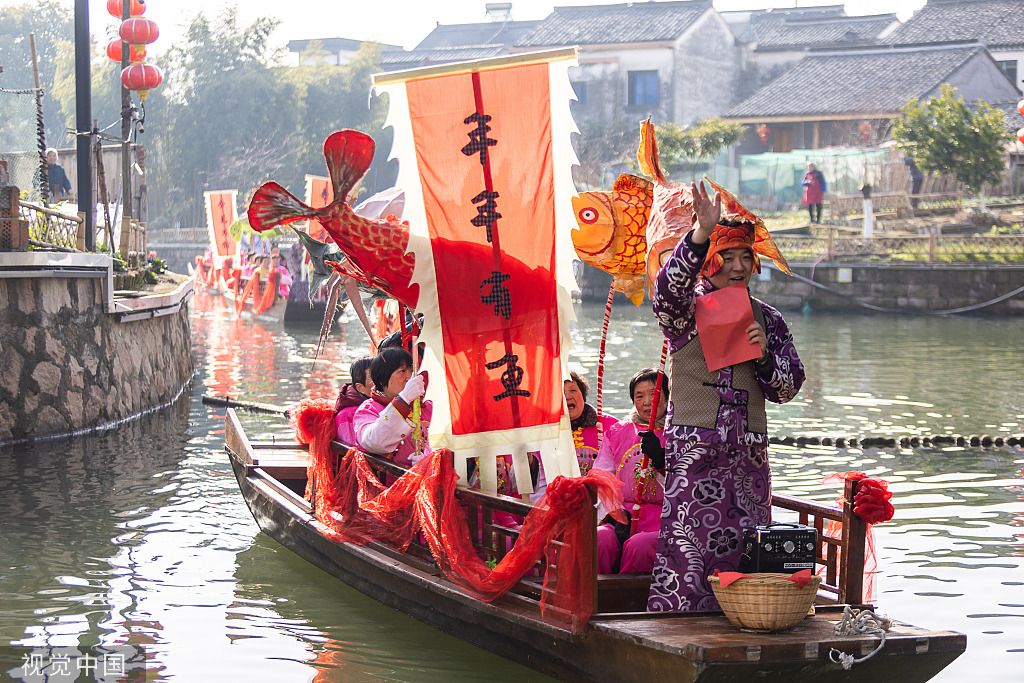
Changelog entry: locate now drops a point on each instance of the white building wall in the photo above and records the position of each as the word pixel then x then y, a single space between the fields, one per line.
pixel 707 66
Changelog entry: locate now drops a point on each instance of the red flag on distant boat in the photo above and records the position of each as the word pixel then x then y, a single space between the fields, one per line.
pixel 319 193
pixel 220 214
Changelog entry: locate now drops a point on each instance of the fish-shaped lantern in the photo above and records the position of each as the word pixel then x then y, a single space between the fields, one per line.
pixel 672 215
pixel 612 232
pixel 374 249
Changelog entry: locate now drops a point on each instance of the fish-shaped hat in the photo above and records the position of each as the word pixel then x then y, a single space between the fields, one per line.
pixel 738 227
pixel 672 216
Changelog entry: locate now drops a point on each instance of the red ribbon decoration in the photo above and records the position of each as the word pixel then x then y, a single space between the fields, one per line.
pixel 353 506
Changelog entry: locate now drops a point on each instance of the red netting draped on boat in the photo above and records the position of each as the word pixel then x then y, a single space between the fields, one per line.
pixel 354 507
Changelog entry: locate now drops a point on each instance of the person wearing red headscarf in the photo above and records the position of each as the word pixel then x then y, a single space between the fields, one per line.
pixel 717 479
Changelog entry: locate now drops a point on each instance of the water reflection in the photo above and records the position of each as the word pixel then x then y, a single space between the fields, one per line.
pixel 140 535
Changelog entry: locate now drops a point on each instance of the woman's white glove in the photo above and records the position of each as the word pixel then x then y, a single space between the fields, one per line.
pixel 413 389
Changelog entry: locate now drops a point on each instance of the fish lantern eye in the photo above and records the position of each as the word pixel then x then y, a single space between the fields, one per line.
pixel 588 216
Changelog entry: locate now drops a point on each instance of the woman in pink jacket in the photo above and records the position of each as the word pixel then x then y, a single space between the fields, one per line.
pixel 383 423
pixel 621 453
pixel 350 398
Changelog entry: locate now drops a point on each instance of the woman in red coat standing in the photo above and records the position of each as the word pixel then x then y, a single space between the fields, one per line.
pixel 814 191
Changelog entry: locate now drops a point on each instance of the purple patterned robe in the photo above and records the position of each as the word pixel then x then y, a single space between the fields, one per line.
pixel 717 481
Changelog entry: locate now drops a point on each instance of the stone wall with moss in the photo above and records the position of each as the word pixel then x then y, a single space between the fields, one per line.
pixel 68 365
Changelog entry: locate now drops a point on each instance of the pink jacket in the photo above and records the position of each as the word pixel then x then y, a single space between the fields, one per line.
pixel 620 454
pixel 382 430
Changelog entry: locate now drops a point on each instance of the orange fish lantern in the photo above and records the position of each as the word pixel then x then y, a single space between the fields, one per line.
pixel 374 249
pixel 612 232
pixel 672 212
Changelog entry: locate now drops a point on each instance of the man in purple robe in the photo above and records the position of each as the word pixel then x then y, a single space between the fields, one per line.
pixel 717 478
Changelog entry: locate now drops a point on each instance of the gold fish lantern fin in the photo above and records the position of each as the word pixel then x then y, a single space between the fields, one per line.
pixel 647 153
pixel 627 182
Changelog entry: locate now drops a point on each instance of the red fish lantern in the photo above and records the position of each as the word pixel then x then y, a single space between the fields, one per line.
pixel 137 53
pixel 139 31
pixel 763 131
pixel 1020 135
pixel 1020 107
pixel 135 8
pixel 141 77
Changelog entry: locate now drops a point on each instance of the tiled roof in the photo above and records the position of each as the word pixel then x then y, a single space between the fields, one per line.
pixel 1014 120
pixel 868 81
pixel 635 22
pixel 483 33
pixel 997 23
pixel 393 61
pixel 336 44
pixel 771 31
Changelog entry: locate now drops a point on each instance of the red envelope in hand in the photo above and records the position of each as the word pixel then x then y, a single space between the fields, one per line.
pixel 723 317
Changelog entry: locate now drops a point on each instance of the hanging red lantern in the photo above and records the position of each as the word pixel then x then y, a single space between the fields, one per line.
pixel 135 9
pixel 1020 135
pixel 137 53
pixel 763 131
pixel 139 31
pixel 141 77
pixel 1020 107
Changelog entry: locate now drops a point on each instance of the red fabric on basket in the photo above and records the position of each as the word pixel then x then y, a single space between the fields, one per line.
pixel 800 578
pixel 726 579
pixel 354 507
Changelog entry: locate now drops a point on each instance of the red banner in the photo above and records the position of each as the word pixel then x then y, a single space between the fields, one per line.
pixel 319 193
pixel 220 214
pixel 484 153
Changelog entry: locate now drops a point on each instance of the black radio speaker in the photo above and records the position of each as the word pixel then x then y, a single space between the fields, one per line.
pixel 783 548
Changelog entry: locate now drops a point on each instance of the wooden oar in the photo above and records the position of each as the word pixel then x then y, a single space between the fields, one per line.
pixel 229 402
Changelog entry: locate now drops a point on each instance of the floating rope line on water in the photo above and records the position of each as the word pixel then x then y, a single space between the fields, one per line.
pixel 974 440
pixel 883 309
pixel 859 622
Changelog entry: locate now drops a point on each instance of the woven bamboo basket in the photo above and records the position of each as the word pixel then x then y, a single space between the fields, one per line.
pixel 765 602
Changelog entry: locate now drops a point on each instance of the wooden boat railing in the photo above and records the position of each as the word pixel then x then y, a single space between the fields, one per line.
pixel 842 556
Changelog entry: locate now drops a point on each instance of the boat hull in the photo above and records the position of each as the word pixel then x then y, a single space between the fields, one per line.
pixel 624 647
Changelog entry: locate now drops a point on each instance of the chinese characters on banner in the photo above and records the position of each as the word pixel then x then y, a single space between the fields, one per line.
pixel 220 214
pixel 480 153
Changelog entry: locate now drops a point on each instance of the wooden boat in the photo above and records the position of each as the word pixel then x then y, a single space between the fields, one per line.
pixel 622 642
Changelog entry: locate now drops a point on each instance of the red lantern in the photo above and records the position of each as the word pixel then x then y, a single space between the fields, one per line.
pixel 1020 107
pixel 139 31
pixel 1020 135
pixel 763 131
pixel 135 9
pixel 137 53
pixel 141 77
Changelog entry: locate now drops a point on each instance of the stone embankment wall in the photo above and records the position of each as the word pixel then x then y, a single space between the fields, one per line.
pixel 906 288
pixel 66 364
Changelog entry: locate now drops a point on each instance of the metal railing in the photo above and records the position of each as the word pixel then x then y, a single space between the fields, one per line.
pixel 906 249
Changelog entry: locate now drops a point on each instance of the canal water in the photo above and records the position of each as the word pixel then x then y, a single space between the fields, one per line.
pixel 139 535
